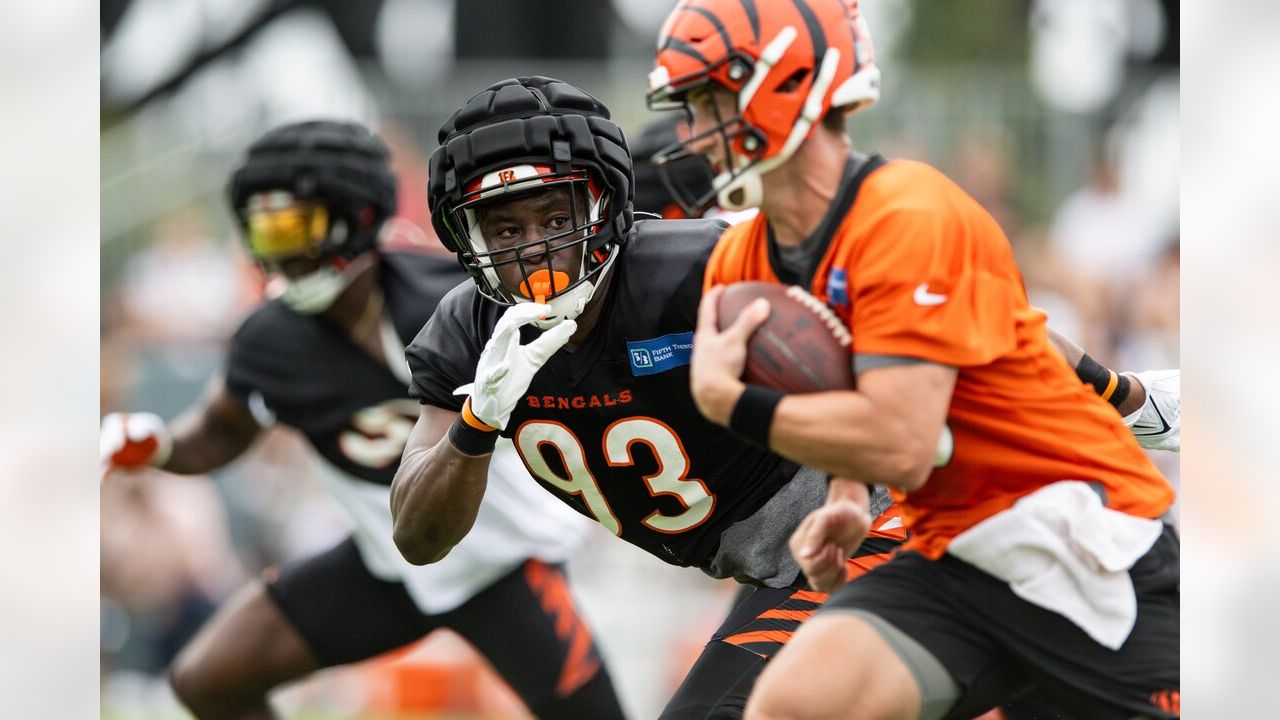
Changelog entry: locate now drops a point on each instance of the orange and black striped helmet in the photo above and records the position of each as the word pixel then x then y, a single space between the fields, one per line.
pixel 788 62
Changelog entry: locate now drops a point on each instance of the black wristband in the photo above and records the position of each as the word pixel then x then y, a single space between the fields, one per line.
pixel 472 441
pixel 753 414
pixel 1103 379
pixel 1121 392
pixel 1094 373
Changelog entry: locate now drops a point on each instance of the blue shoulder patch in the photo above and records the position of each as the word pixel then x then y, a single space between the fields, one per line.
pixel 649 357
pixel 838 287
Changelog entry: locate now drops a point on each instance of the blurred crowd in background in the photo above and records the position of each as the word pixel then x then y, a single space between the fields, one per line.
pixel 1061 118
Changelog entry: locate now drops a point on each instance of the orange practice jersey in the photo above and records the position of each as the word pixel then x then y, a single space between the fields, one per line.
pixel 917 268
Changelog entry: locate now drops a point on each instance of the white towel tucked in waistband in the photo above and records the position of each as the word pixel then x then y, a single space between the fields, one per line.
pixel 1061 549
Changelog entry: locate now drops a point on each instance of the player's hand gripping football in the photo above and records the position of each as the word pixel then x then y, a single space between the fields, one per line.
pixel 830 534
pixel 130 440
pixel 506 367
pixel 718 358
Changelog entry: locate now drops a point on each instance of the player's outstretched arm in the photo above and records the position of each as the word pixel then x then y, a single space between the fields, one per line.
pixel 1149 402
pixel 207 436
pixel 438 487
pixel 1115 388
pixel 212 433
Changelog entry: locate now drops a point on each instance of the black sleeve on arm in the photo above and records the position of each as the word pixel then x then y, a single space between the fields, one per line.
pixel 239 369
pixel 253 365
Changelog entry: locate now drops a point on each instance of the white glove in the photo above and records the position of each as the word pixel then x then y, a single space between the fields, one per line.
pixel 130 440
pixel 1157 424
pixel 506 367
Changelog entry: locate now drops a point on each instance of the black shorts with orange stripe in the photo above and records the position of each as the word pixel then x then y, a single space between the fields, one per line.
pixel 525 624
pixel 762 620
pixel 1001 649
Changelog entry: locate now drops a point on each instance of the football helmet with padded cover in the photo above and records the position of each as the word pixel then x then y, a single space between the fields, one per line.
pixel 341 165
pixel 787 62
pixel 317 190
pixel 525 135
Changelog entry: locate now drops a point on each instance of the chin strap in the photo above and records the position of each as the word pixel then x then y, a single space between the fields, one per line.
pixel 316 292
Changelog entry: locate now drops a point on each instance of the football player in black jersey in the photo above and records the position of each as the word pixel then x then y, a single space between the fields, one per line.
pixel 573 341
pixel 326 358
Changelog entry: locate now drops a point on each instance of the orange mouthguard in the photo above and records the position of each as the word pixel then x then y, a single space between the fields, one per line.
pixel 543 283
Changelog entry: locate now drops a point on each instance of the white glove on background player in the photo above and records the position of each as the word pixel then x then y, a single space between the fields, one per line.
pixel 506 367
pixel 1157 424
pixel 130 440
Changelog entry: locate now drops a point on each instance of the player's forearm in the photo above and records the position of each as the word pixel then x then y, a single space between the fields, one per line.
pixel 847 435
pixel 435 497
pixel 1071 351
pixel 841 489
pixel 203 442
pixel 1124 395
pixel 194 456
pixel 212 433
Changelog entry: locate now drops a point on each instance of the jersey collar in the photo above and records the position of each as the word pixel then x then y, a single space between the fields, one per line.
pixel 856 169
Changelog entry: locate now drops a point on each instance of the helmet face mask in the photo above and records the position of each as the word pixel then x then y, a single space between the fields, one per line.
pixel 509 265
pixel 687 176
pixel 280 228
pixel 294 241
pixel 730 72
pixel 729 145
pixel 517 145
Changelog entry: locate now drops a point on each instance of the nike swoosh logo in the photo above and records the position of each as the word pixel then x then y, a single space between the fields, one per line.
pixel 922 296
pixel 1163 422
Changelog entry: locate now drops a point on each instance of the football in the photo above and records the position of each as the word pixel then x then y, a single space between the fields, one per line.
pixel 801 347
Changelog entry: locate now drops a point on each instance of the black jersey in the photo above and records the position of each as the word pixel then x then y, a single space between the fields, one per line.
pixel 610 426
pixel 354 409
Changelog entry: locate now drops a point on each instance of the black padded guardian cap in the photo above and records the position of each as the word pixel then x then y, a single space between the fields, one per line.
pixel 342 165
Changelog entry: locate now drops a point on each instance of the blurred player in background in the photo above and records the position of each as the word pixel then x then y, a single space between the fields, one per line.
pixel 573 340
pixel 949 356
pixel 653 194
pixel 326 358
pixel 654 187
